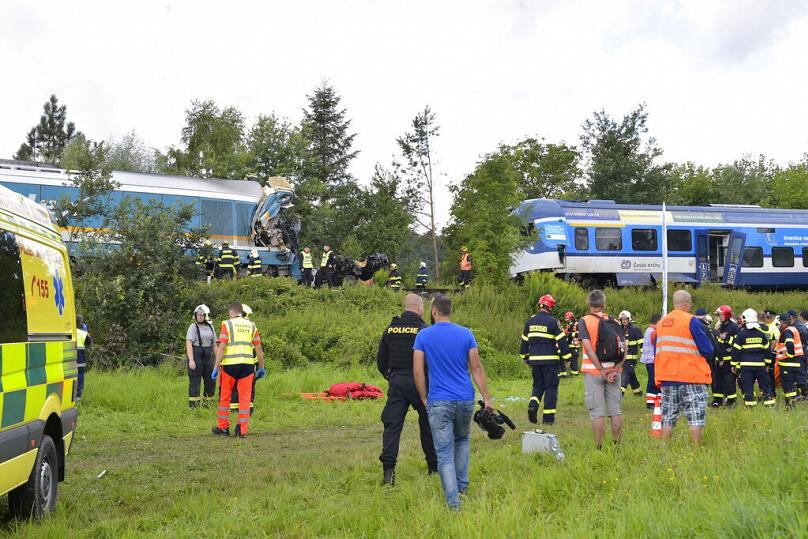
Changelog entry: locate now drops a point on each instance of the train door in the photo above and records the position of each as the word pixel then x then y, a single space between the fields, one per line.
pixel 732 268
pixel 717 243
pixel 702 256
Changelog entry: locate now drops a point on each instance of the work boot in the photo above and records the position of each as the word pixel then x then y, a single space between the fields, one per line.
pixel 220 432
pixel 389 477
pixel 533 410
pixel 432 469
pixel 637 391
pixel 238 432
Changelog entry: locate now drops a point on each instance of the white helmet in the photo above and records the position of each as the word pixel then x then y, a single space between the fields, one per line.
pixel 246 311
pixel 204 309
pixel 423 264
pixel 254 253
pixel 709 318
pixel 393 266
pixel 624 314
pixel 750 318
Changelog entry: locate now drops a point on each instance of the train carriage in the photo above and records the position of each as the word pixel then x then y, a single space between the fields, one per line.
pixel 599 240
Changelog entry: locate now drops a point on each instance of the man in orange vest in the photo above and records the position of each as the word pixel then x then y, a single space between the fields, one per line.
pixel 464 280
pixel 681 367
pixel 789 351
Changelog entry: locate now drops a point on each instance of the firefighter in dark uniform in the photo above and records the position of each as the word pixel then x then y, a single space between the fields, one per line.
pixel 394 278
pixel 254 264
pixel 571 331
pixel 544 348
pixel 205 260
pixel 724 380
pixel 633 337
pixel 772 331
pixel 394 360
pixel 227 262
pixel 422 277
pixel 789 350
pixel 749 352
pixel 802 377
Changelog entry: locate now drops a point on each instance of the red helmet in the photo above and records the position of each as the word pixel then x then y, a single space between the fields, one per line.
pixel 547 301
pixel 725 311
pixel 569 315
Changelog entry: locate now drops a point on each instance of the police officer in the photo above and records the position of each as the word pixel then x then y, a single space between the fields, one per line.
pixel 633 337
pixel 724 392
pixel 254 264
pixel 749 351
pixel 394 278
pixel 544 347
pixel 325 275
pixel 306 266
pixel 394 360
pixel 422 277
pixel 227 262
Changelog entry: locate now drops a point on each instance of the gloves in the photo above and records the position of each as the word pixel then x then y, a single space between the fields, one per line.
pixel 215 374
pixel 260 374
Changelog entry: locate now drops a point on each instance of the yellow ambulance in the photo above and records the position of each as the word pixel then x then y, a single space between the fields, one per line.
pixel 37 356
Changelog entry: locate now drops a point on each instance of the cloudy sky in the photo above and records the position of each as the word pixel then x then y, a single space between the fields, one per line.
pixel 721 78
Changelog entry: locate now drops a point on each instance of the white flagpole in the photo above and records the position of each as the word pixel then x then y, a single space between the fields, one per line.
pixel 664 260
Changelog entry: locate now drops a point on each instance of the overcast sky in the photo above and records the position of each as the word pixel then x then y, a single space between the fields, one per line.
pixel 720 78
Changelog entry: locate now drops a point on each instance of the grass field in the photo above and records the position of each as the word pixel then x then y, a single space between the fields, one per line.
pixel 311 469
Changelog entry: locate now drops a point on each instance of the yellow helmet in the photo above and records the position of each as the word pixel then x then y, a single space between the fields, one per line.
pixel 207 243
pixel 464 249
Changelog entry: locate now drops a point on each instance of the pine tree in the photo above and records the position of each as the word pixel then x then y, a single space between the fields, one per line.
pixel 46 141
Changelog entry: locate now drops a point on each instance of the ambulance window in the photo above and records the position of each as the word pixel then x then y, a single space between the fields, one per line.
pixel 14 327
pixel 782 257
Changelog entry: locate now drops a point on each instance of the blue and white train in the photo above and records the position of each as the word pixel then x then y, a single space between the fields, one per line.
pixel 230 209
pixel 601 241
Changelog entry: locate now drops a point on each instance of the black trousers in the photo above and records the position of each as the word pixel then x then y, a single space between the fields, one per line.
pixel 324 276
pixel 307 278
pixel 651 390
pixel 788 379
pixel 748 377
pixel 401 394
pixel 724 383
pixel 203 357
pixel 545 385
pixel 464 279
pixel 629 376
pixel 574 360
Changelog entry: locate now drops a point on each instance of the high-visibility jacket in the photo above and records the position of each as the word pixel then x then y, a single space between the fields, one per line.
pixel 254 266
pixel 725 336
pixel 422 277
pixel 789 349
pixel 677 355
pixel 543 341
pixel 394 279
pixel 465 262
pixel 772 337
pixel 306 260
pixel 326 259
pixel 571 331
pixel 633 337
pixel 749 348
pixel 82 338
pixel 240 336
pixel 591 322
pixel 228 259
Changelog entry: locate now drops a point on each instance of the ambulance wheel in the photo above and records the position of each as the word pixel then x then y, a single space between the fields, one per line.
pixel 37 496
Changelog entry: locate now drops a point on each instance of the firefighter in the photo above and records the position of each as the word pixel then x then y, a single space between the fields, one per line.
pixel 802 377
pixel 633 337
pixel 724 381
pixel 227 262
pixel 394 360
pixel 422 277
pixel 788 352
pixel 83 341
pixel 254 264
pixel 306 266
pixel 325 275
pixel 394 278
pixel 464 279
pixel 571 331
pixel 238 338
pixel 749 352
pixel 772 330
pixel 246 312
pixel 544 348
pixel 199 341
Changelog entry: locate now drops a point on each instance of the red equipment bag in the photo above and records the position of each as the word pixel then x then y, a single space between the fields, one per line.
pixel 354 390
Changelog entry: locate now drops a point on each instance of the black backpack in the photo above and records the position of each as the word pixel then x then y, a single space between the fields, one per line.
pixel 610 341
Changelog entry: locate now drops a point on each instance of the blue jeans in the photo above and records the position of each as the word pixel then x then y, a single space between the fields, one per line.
pixel 450 422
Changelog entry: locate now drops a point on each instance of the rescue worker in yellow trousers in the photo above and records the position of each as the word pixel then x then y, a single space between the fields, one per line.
pixel 238 338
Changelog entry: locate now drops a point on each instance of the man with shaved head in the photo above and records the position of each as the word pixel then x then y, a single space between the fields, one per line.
pixel 681 367
pixel 394 360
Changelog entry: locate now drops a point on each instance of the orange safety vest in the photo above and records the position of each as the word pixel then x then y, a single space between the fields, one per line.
pixel 677 355
pixel 465 265
pixel 592 320
pixel 782 353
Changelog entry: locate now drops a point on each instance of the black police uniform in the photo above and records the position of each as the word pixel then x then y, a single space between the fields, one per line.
pixel 544 347
pixel 749 352
pixel 394 360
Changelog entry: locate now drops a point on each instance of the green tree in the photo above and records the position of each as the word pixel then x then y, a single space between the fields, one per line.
pixel 275 148
pixel 545 170
pixel 213 144
pixel 691 185
pixel 47 140
pixel 789 187
pixel 92 176
pixel 621 159
pixel 416 149
pixel 385 215
pixel 482 218
pixel 745 181
pixel 131 154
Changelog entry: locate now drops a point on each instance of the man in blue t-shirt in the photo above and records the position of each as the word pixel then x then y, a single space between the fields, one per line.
pixel 449 352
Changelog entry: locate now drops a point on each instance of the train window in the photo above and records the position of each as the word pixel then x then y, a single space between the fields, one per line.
pixel 582 238
pixel 679 240
pixel 12 296
pixel 783 257
pixel 752 257
pixel 644 239
pixel 608 239
pixel 805 257
pixel 218 215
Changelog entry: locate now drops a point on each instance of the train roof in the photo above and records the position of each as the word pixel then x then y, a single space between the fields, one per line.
pixel 21 206
pixel 609 210
pixel 28 172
